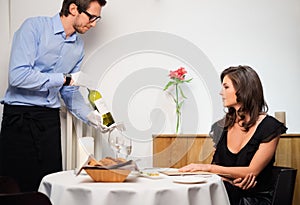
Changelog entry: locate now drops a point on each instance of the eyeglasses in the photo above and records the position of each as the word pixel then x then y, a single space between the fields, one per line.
pixel 92 18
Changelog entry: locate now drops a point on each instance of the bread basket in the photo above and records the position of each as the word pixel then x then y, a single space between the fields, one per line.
pixel 113 173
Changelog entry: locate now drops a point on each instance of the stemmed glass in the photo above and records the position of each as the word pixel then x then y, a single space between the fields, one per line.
pixel 116 141
pixel 121 143
pixel 127 147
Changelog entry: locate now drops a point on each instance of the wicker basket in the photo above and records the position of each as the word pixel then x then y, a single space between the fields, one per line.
pixel 107 175
pixel 112 173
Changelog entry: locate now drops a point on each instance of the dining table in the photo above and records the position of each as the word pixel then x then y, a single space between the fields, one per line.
pixel 64 188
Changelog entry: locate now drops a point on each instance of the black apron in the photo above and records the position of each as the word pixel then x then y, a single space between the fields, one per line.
pixel 30 144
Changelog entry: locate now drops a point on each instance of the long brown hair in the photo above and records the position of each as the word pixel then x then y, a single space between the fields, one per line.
pixel 249 93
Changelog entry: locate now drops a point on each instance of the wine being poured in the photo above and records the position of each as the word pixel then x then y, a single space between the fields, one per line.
pixel 98 103
pixel 116 138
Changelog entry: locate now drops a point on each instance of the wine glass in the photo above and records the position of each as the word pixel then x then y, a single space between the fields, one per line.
pixel 127 147
pixel 116 141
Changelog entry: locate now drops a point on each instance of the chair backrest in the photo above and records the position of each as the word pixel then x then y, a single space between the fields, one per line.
pixel 25 198
pixel 8 185
pixel 284 179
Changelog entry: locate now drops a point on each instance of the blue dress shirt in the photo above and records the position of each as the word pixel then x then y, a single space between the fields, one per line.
pixel 40 54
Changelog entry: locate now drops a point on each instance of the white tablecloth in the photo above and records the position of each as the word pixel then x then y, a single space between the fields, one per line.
pixel 64 188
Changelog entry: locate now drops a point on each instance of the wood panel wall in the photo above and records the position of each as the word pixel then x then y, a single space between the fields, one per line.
pixel 175 151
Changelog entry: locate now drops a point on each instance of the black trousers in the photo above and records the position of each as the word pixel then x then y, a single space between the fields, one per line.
pixel 30 144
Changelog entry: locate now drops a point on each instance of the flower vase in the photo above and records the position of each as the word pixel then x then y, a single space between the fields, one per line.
pixel 177 78
pixel 178 123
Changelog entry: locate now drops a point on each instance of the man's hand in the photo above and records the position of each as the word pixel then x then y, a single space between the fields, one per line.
pixel 75 77
pixel 95 120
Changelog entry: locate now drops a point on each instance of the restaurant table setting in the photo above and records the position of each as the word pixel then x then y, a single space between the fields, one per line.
pixel 148 186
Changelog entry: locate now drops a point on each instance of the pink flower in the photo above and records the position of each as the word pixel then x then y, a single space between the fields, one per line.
pixel 179 74
pixel 177 78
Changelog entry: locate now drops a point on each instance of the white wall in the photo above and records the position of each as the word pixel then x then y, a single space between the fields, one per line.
pixel 4 39
pixel 204 36
pixel 264 35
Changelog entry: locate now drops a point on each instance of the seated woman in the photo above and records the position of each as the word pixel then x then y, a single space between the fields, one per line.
pixel 246 139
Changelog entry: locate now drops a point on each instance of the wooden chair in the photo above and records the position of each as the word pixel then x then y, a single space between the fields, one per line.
pixel 284 178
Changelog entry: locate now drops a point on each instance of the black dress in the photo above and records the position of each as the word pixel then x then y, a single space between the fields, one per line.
pixel 262 193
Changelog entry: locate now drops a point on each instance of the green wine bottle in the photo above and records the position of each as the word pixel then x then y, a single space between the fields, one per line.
pixel 98 104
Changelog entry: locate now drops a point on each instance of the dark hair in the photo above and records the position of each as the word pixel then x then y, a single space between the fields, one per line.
pixel 82 4
pixel 249 92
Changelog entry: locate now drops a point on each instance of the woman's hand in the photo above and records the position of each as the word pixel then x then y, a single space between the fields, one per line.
pixel 245 183
pixel 195 167
pixel 249 181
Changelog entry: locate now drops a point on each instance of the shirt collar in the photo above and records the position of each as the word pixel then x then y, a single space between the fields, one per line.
pixel 59 29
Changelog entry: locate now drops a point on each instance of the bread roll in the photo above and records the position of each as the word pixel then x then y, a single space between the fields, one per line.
pixel 107 161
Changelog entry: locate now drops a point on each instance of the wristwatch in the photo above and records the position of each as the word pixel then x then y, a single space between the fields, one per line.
pixel 68 78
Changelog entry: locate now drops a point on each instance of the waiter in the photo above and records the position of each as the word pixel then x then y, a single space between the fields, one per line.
pixel 45 52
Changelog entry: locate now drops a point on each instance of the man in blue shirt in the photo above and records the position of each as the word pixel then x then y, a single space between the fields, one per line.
pixel 45 52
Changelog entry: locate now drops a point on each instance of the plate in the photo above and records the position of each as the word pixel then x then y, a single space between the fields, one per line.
pixel 152 175
pixel 177 173
pixel 190 180
pixel 157 169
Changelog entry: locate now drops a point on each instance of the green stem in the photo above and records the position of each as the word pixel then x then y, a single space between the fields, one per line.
pixel 177 108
